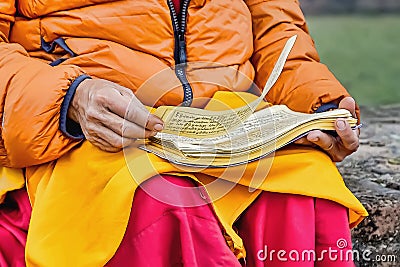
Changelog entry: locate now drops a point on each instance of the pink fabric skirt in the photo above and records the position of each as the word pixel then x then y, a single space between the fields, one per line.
pixel 15 213
pixel 278 230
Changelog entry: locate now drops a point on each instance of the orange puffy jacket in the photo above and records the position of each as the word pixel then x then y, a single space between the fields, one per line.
pixel 47 46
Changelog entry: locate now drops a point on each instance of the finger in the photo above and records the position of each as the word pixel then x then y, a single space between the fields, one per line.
pixel 137 113
pixel 123 90
pixel 103 145
pixel 99 142
pixel 350 104
pixel 328 143
pixel 133 110
pixel 114 140
pixel 303 141
pixel 323 140
pixel 124 127
pixel 154 123
pixel 348 137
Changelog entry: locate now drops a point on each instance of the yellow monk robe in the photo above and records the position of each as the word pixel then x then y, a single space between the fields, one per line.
pixel 10 179
pixel 82 201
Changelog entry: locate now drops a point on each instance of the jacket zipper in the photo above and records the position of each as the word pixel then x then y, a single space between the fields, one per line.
pixel 180 55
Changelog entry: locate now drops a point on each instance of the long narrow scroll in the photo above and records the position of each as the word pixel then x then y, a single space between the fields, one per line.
pixel 194 122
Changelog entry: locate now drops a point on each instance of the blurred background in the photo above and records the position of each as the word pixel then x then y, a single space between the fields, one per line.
pixel 359 40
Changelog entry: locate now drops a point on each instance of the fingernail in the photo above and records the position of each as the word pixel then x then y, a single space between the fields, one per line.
pixel 158 127
pixel 341 125
pixel 313 137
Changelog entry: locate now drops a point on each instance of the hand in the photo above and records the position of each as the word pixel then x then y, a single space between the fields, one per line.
pixel 111 117
pixel 347 141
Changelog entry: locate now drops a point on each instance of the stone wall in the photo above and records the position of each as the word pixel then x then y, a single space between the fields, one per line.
pixel 350 6
pixel 373 175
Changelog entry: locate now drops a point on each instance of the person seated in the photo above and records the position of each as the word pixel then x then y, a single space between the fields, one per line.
pixel 77 80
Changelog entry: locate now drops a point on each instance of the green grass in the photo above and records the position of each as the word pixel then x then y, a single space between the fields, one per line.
pixel 363 52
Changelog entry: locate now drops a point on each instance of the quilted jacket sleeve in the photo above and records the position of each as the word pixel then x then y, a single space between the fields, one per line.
pixel 305 83
pixel 31 95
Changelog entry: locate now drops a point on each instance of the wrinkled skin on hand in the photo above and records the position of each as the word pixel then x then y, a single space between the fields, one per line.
pixel 110 115
pixel 337 147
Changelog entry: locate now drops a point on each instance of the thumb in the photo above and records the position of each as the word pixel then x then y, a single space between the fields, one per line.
pixel 350 104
